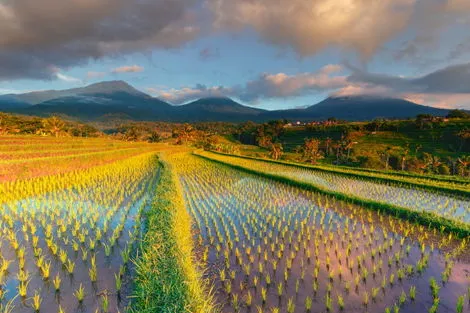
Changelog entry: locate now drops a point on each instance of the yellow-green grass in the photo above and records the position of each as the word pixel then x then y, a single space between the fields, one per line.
pixel 167 278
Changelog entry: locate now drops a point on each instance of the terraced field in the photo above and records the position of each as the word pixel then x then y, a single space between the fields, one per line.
pixel 26 157
pixel 69 231
pixel 105 226
pixel 450 207
pixel 270 247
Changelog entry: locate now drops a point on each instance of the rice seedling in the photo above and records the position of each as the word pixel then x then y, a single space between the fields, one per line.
pixel 459 306
pixel 56 281
pixel 80 294
pixel 37 300
pixel 413 293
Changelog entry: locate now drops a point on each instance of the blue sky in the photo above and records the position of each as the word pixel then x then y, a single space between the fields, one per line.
pixel 275 57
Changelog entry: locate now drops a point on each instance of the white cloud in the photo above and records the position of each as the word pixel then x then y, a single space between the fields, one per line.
pixel 185 94
pixel 68 79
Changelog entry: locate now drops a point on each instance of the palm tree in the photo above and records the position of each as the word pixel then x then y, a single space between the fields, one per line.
pixel 464 163
pixel 276 150
pixel 54 125
pixel 404 155
pixel 312 150
pixel 387 157
pixel 328 142
pixel 349 145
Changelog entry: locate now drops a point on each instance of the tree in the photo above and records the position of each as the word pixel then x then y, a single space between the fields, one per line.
pixel 154 137
pixel 54 125
pixel 349 145
pixel 311 150
pixel 131 134
pixel 403 156
pixel 275 151
pixel 4 126
pixel 463 165
pixel 185 134
pixel 458 114
pixel 328 142
pixel 386 153
pixel 423 119
pixel 431 163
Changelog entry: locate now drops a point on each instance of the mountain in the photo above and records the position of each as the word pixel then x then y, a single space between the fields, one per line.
pixel 9 103
pixel 216 109
pixel 97 100
pixel 104 88
pixel 118 99
pixel 357 108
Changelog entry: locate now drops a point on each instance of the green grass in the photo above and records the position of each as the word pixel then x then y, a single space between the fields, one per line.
pixel 428 219
pixel 167 277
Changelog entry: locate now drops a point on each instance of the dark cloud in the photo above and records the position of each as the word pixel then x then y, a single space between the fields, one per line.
pixel 39 35
pixel 449 80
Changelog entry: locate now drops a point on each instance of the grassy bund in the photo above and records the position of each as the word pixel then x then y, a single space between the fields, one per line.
pixel 167 278
pixel 429 219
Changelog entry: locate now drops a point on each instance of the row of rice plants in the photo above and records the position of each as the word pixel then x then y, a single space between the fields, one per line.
pixel 432 207
pixel 271 247
pixel 457 186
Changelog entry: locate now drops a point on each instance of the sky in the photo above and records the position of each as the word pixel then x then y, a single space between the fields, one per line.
pixel 271 54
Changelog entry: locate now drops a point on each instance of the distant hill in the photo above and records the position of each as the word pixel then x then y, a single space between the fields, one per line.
pixel 107 88
pixel 9 102
pixel 117 98
pixel 216 109
pixel 358 108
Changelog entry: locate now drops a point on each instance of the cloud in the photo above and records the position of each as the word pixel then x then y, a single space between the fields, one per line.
pixel 38 35
pixel 266 86
pixel 445 101
pixel 452 79
pixel 446 87
pixel 68 79
pixel 432 23
pixel 94 75
pixel 128 69
pixel 311 26
pixel 281 85
pixel 186 94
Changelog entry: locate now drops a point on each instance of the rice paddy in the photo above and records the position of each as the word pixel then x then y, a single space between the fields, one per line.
pixel 102 226
pixel 450 207
pixel 66 242
pixel 270 247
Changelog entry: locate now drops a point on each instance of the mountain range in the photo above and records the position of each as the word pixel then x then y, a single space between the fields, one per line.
pixel 117 98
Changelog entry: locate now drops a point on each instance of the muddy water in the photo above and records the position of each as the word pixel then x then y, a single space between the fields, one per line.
pixel 234 211
pixel 126 207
